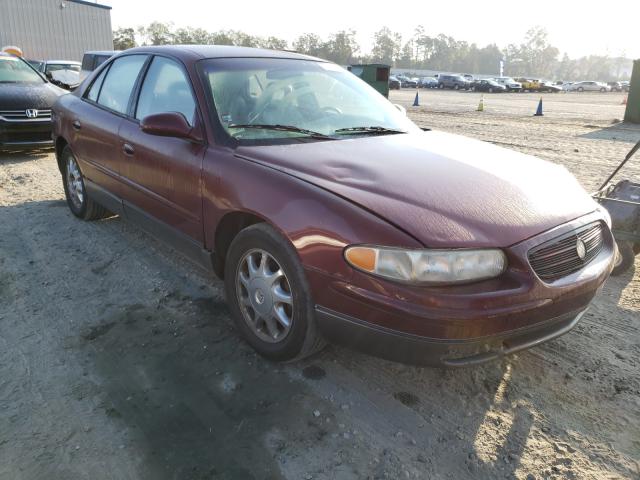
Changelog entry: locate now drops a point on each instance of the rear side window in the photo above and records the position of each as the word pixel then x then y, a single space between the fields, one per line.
pixel 166 89
pixel 119 82
pixel 94 90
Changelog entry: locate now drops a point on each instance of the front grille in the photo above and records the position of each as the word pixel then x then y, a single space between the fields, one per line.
pixel 21 115
pixel 559 257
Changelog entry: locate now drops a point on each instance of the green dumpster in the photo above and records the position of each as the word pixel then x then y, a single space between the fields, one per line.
pixel 375 74
pixel 633 102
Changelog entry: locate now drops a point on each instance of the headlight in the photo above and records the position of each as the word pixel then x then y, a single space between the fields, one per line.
pixel 427 267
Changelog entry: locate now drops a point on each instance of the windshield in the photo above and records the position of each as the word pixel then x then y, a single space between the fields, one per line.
pixel 54 67
pixel 311 99
pixel 14 70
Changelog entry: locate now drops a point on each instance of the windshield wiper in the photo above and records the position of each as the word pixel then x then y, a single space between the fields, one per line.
pixel 372 130
pixel 282 128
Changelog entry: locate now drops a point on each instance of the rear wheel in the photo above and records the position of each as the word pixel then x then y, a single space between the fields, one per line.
pixel 269 296
pixel 80 204
pixel 603 89
pixel 625 258
pixel 580 89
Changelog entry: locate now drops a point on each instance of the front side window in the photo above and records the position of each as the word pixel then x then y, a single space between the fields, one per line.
pixel 15 70
pixel 119 82
pixel 166 89
pixel 251 94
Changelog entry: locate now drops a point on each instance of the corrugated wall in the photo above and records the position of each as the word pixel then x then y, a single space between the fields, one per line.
pixel 54 29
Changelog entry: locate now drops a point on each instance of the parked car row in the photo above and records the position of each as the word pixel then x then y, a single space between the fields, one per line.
pixel 493 85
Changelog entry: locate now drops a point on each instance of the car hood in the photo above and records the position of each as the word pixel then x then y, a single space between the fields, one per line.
pixel 16 96
pixel 445 190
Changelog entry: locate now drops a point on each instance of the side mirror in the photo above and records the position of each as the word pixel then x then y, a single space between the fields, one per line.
pixel 171 124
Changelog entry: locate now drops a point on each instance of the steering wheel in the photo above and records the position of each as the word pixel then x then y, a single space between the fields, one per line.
pixel 264 101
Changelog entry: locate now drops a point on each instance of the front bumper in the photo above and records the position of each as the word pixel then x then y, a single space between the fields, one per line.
pixel 17 135
pixel 493 317
pixel 416 350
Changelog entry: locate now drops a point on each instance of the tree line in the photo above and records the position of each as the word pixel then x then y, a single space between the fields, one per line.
pixel 533 56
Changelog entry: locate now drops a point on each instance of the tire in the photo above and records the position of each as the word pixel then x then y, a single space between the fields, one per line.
pixel 79 202
pixel 441 86
pixel 248 294
pixel 456 87
pixel 490 89
pixel 580 89
pixel 603 89
pixel 625 258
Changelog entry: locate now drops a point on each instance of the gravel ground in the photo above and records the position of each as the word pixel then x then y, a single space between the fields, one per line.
pixel 118 359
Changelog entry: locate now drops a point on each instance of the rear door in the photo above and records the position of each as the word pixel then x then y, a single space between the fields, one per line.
pixel 97 120
pixel 161 175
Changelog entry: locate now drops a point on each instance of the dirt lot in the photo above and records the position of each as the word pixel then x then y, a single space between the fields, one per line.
pixel 118 361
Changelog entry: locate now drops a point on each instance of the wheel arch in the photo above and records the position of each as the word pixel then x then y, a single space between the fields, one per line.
pixel 61 142
pixel 230 225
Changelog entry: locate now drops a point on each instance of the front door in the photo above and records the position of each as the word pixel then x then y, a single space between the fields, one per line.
pixel 161 175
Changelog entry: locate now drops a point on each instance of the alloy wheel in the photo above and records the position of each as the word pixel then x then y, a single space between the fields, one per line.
pixel 75 186
pixel 264 296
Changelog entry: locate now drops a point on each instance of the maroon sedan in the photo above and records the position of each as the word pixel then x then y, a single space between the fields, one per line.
pixel 328 213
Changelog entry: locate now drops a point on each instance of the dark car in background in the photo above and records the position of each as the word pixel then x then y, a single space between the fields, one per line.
pixel 26 99
pixel 92 60
pixel 455 82
pixel 394 83
pixel 428 82
pixel 304 189
pixel 490 86
pixel 406 82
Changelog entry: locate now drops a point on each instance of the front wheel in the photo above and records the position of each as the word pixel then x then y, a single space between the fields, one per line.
pixel 79 202
pixel 269 297
pixel 625 258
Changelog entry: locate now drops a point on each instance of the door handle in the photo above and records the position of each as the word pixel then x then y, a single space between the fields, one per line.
pixel 128 149
pixel 76 125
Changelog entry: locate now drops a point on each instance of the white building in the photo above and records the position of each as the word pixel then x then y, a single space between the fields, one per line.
pixel 55 29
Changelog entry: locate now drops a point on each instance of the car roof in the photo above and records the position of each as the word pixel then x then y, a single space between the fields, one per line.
pixel 199 52
pixel 102 52
pixel 70 62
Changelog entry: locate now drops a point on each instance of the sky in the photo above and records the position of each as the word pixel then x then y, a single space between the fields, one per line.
pixel 577 27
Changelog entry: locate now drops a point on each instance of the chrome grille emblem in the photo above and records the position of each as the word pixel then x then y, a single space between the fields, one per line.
pixel 581 249
pixel 31 113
